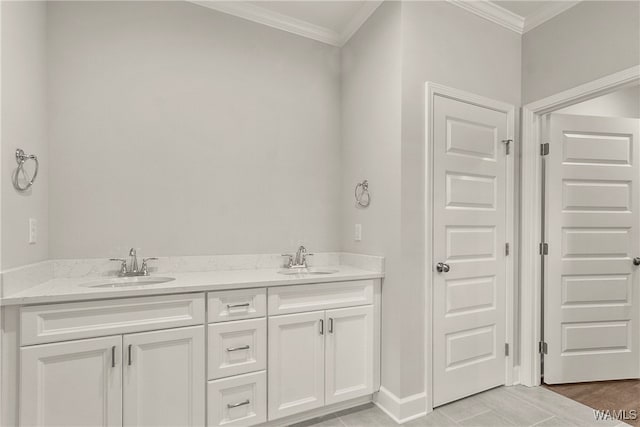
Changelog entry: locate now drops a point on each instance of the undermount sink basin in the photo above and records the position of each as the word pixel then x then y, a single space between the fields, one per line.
pixel 306 271
pixel 122 282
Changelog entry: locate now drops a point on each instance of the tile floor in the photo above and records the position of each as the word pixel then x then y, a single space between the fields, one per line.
pixel 504 406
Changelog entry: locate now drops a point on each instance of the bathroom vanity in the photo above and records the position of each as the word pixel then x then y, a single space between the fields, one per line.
pixel 193 352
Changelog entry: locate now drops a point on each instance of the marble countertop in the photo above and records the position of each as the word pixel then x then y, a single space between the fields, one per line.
pixel 75 289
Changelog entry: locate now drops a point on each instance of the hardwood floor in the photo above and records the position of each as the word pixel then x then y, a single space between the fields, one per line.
pixel 605 395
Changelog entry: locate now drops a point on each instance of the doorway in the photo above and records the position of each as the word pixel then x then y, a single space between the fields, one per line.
pixel 469 184
pixel 591 301
pixel 531 279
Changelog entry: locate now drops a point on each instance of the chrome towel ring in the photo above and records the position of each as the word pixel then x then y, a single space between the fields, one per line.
pixel 363 198
pixel 21 159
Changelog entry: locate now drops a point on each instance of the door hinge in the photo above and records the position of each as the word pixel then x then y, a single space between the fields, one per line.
pixel 544 149
pixel 507 145
pixel 542 347
pixel 544 249
pixel 506 349
pixel 507 249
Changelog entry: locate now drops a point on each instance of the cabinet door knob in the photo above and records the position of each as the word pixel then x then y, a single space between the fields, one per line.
pixel 441 267
pixel 636 260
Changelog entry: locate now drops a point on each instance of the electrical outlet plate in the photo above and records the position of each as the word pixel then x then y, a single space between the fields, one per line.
pixel 357 233
pixel 33 231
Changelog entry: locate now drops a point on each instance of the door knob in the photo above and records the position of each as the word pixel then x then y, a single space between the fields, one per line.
pixel 442 267
pixel 636 260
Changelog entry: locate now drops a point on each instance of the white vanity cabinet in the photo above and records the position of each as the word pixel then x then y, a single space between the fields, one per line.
pixel 320 357
pixel 163 378
pixel 150 378
pixel 74 383
pixel 237 358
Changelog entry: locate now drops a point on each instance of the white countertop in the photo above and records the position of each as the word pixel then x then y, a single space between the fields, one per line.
pixel 72 289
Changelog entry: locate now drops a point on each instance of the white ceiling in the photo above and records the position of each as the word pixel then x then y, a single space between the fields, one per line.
pixel 335 21
pixel 523 8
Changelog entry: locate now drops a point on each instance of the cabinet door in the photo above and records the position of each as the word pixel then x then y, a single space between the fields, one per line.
pixel 164 379
pixel 349 353
pixel 73 383
pixel 296 363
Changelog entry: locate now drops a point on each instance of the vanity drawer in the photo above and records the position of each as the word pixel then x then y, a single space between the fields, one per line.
pixel 89 319
pixel 238 401
pixel 237 347
pixel 301 298
pixel 237 305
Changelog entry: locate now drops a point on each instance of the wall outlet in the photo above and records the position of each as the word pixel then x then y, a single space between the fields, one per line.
pixel 33 231
pixel 357 233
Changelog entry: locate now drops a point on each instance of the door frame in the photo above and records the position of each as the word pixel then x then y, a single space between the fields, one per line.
pixel 531 214
pixel 431 90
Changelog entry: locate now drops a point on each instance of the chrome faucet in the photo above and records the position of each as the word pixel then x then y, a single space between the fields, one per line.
pixel 299 260
pixel 134 260
pixel 132 270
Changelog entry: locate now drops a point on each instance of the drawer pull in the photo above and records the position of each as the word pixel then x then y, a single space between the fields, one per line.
pixel 331 325
pixel 113 356
pixel 246 304
pixel 235 405
pixel 244 347
pixel 129 354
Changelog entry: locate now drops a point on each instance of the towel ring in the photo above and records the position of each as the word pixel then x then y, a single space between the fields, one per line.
pixel 21 159
pixel 361 192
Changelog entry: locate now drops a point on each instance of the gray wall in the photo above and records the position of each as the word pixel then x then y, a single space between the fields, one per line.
pixel 622 103
pixel 371 100
pixel 185 131
pixel 588 41
pixel 24 125
pixel 385 67
pixel 450 46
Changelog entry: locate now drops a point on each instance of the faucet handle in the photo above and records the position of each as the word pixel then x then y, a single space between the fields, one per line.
pixel 290 262
pixel 145 269
pixel 123 265
pixel 304 258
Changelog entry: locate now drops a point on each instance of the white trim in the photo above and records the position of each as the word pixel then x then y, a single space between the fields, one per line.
pixel 510 20
pixel 262 15
pixel 358 20
pixel 401 410
pixel 432 89
pixel 319 412
pixel 531 219
pixel 492 12
pixel 551 10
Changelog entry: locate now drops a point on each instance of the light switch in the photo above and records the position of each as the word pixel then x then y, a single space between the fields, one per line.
pixel 357 233
pixel 33 230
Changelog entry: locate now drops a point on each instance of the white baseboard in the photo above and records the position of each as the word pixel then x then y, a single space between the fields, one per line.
pixel 515 376
pixel 401 410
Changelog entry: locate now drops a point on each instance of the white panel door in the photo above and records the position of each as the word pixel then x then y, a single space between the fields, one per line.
pixel 349 353
pixel 592 284
pixel 164 378
pixel 469 237
pixel 73 383
pixel 296 363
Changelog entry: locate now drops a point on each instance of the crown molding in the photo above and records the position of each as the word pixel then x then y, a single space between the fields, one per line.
pixel 492 12
pixel 551 10
pixel 514 22
pixel 359 19
pixel 261 15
